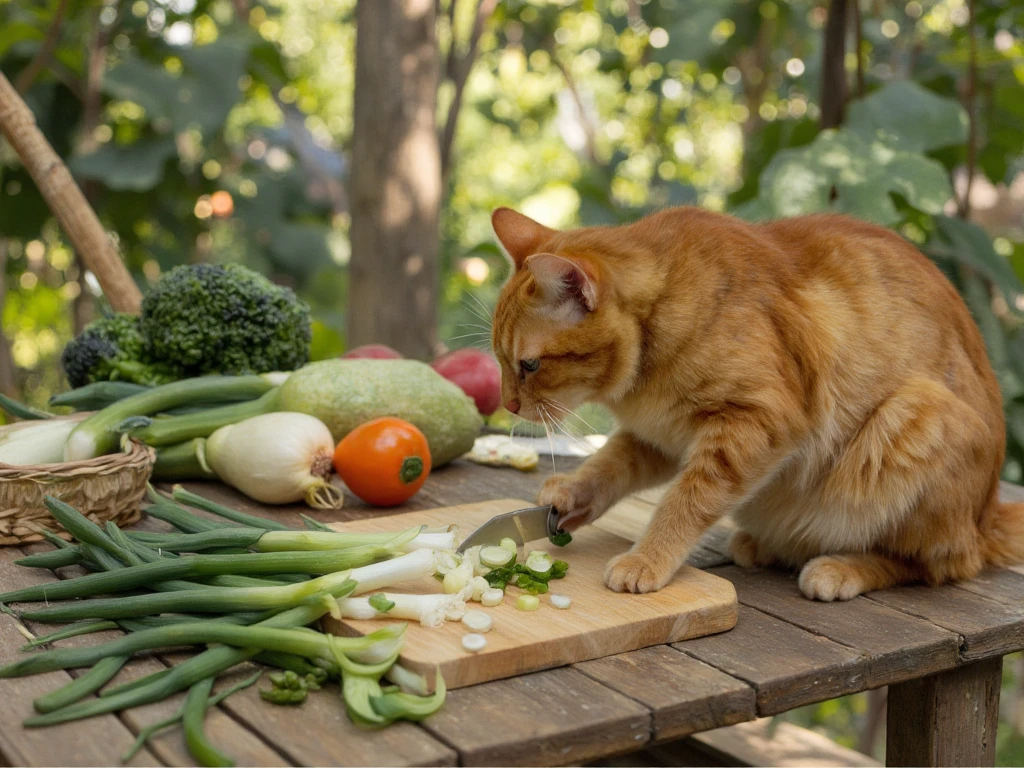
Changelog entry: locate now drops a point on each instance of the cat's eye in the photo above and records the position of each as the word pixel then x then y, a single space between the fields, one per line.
pixel 529 366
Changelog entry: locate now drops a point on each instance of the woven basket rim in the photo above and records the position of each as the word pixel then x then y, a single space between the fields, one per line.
pixel 132 453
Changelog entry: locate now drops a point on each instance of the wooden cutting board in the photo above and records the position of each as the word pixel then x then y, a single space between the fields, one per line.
pixel 599 622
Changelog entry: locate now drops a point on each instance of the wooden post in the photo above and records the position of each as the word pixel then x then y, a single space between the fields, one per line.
pixel 66 201
pixel 945 719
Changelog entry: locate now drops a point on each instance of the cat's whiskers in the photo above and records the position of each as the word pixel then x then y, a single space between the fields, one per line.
pixel 561 426
pixel 475 334
pixel 551 442
pixel 472 310
pixel 570 412
pixel 487 310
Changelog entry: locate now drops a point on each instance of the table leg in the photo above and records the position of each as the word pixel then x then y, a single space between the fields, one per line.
pixel 945 719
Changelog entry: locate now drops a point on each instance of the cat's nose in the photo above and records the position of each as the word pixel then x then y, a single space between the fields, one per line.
pixel 512 406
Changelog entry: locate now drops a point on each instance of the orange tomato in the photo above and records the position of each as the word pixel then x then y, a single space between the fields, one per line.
pixel 384 461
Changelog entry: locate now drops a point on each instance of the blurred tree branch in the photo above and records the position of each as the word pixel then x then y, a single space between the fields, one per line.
pixel 858 41
pixel 38 63
pixel 8 379
pixel 963 208
pixel 833 66
pixel 457 69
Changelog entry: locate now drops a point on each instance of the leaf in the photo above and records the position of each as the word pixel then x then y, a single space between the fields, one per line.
pixel 968 244
pixel 864 176
pixel 976 295
pixel 138 166
pixel 12 33
pixel 150 86
pixel 909 116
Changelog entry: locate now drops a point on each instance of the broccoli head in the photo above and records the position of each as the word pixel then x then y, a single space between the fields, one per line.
pixel 112 349
pixel 208 318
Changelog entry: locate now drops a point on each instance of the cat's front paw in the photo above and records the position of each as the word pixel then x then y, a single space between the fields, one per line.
pixel 575 499
pixel 830 578
pixel 635 572
pixel 743 549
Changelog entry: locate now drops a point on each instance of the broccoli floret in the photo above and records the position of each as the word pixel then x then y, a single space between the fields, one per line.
pixel 112 349
pixel 209 319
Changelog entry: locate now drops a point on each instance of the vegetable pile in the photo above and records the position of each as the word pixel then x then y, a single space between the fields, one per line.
pixel 196 320
pixel 252 589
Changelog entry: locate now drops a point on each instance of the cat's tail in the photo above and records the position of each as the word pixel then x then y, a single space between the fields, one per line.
pixel 1002 531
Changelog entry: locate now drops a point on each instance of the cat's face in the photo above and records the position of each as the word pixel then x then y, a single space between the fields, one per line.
pixel 559 333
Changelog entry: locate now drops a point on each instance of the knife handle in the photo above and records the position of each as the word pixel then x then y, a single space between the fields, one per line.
pixel 553 529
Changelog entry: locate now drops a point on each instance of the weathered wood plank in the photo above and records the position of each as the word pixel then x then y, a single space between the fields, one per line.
pixel 946 719
pixel 1002 586
pixel 788 666
pixel 320 733
pixel 766 743
pixel 987 628
pixel 683 694
pixel 896 646
pixel 557 717
pixel 97 741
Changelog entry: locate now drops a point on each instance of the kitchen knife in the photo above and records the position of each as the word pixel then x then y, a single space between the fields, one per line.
pixel 521 525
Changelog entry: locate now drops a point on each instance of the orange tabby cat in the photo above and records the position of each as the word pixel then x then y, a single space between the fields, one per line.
pixel 816 378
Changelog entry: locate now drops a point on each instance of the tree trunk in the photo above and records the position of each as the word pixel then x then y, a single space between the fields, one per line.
pixel 8 376
pixel 833 66
pixel 395 186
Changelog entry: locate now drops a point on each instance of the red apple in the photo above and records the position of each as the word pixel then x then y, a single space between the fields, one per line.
pixel 371 352
pixel 477 373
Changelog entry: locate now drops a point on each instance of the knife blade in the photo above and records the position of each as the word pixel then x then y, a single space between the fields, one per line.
pixel 521 525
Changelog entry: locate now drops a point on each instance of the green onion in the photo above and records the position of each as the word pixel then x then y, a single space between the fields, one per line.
pixel 194 500
pixel 22 411
pixel 97 436
pixel 98 395
pixel 184 461
pixel 197 542
pixel 147 733
pixel 404 706
pixel 209 663
pixel 83 685
pixel 178 429
pixel 380 602
pixel 307 643
pixel 182 519
pixel 57 558
pixel 196 704
pixel 315 525
pixel 200 566
pixel 73 630
pixel 201 600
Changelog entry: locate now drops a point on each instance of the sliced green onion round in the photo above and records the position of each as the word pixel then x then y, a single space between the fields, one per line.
pixel 560 601
pixel 478 621
pixel 492 597
pixel 510 545
pixel 495 557
pixel 474 642
pixel 527 602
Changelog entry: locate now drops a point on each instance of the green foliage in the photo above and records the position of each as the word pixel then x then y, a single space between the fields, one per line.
pixel 207 318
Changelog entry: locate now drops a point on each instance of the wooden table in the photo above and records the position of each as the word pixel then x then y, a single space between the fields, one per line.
pixel 939 649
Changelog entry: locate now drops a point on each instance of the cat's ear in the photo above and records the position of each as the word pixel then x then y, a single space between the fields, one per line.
pixel 521 235
pixel 567 286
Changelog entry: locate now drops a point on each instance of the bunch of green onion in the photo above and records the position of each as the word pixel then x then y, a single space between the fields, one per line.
pixel 249 585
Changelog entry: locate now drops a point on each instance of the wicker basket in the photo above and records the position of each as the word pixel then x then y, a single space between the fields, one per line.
pixel 105 488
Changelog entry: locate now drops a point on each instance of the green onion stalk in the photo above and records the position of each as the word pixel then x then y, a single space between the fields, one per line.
pixel 98 434
pixel 179 429
pixel 201 600
pixel 150 730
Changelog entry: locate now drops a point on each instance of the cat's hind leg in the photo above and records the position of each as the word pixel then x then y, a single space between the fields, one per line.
pixel 911 483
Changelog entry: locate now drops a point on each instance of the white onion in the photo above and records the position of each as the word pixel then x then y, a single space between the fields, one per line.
pixel 277 458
